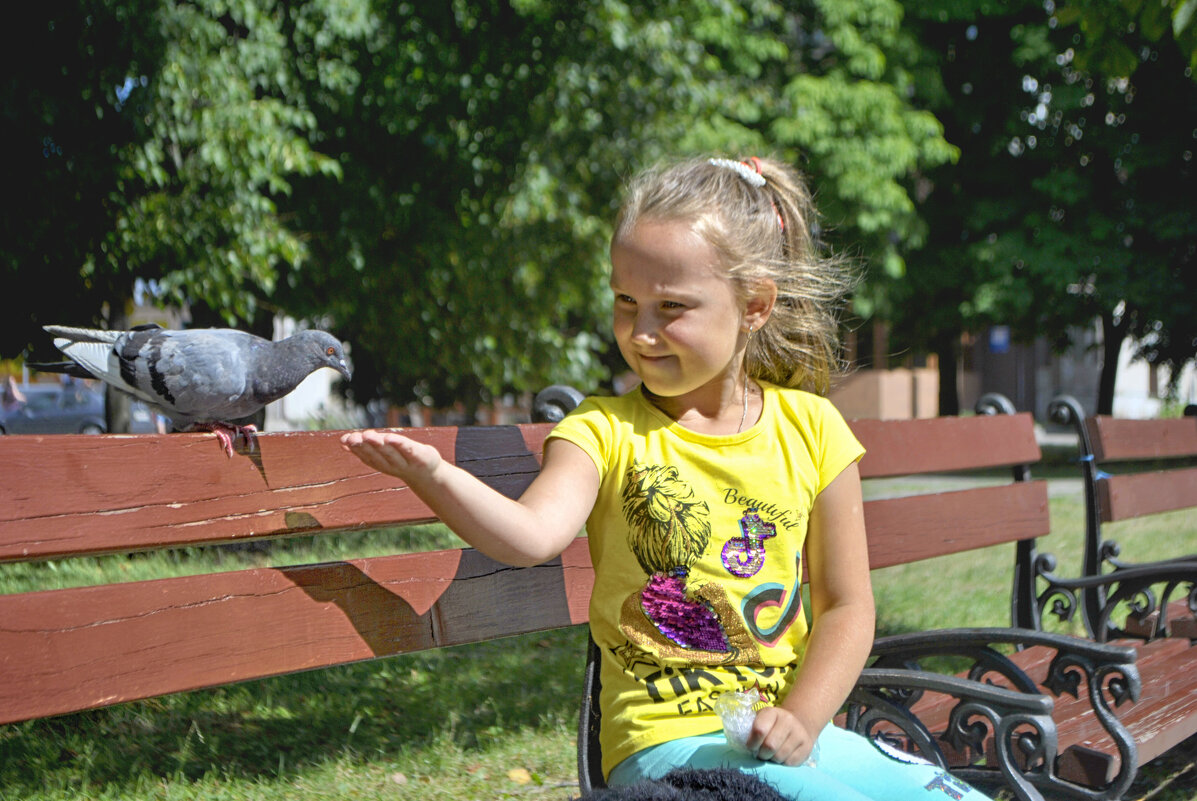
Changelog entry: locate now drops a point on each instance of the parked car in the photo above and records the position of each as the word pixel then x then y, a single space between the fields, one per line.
pixel 67 409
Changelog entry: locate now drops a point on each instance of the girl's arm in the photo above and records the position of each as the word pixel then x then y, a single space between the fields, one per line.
pixel 842 629
pixel 528 531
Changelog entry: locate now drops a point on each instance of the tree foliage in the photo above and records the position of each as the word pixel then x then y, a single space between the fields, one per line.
pixel 1114 32
pixel 154 141
pixel 465 250
pixel 1069 202
pixel 436 183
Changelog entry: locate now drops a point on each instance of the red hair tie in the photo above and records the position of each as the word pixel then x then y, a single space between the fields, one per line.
pixel 755 164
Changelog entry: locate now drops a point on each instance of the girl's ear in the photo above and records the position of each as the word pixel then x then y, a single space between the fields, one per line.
pixel 760 305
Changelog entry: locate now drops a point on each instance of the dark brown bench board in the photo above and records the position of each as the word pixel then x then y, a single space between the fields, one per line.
pixel 75 649
pixel 1164 716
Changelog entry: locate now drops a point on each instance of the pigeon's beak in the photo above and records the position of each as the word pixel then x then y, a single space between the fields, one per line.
pixel 342 368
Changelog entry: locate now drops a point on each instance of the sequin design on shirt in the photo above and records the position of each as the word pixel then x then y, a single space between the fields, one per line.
pixel 668 532
pixel 744 555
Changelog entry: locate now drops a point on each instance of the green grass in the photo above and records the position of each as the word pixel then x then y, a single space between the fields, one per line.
pixel 441 724
pixel 60 574
pixel 488 721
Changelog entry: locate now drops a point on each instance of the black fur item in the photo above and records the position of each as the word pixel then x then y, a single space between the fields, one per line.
pixel 692 784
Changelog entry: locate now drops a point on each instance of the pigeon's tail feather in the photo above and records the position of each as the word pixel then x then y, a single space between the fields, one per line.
pixel 91 356
pixel 82 334
pixel 66 368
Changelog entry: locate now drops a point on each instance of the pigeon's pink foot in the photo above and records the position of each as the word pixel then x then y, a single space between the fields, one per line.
pixel 227 433
pixel 250 433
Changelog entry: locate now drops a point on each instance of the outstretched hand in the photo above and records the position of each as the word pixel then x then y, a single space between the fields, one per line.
pixel 779 736
pixel 393 454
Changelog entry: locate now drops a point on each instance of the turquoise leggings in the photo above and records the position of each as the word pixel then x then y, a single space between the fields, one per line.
pixel 848 768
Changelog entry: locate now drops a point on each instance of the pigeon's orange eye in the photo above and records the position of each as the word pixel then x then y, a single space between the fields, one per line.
pixel 331 350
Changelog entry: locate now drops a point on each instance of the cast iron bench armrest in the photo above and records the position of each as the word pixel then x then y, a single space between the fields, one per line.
pixel 1023 730
pixel 1107 672
pixel 1104 440
pixel 1094 659
pixel 1131 585
pixel 950 641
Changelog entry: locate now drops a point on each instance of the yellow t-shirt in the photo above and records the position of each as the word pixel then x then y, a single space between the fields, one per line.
pixel 697 543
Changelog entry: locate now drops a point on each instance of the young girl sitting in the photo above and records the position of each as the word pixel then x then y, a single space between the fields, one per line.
pixel 702 489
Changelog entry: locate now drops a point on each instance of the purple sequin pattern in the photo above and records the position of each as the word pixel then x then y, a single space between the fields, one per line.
pixel 744 556
pixel 684 621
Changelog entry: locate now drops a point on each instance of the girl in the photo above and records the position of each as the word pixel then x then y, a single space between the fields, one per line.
pixel 702 489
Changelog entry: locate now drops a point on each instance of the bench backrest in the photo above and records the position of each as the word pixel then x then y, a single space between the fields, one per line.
pixel 1134 494
pixel 1150 466
pixel 72 649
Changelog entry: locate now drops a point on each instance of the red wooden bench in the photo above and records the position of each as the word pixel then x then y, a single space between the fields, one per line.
pixel 68 650
pixel 75 649
pixel 1152 468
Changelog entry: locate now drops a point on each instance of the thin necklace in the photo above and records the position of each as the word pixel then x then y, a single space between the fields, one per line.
pixel 744 414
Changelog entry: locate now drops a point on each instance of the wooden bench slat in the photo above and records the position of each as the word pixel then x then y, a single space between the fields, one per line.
pixel 1165 714
pixel 68 650
pixel 1115 439
pixel 945 444
pixel 89 644
pixel 903 530
pixel 1134 495
pixel 187 492
pixel 190 493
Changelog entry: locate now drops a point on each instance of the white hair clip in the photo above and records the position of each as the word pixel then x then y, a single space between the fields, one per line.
pixel 742 169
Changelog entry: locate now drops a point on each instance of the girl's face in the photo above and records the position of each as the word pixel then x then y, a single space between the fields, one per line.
pixel 678 322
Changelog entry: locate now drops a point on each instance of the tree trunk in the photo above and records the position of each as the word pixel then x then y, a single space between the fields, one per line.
pixel 947 348
pixel 1112 335
pixel 117 414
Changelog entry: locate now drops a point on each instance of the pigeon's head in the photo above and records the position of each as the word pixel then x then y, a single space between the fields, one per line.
pixel 327 350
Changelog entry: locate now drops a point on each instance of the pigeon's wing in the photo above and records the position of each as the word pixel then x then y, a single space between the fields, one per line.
pixel 199 374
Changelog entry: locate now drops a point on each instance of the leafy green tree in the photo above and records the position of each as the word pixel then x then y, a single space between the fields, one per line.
pixel 968 77
pixel 1068 203
pixel 154 140
pixel 436 183
pixel 1111 29
pixel 1141 240
pixel 464 253
pixel 62 133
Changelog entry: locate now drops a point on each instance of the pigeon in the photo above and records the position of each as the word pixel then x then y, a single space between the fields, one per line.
pixel 201 378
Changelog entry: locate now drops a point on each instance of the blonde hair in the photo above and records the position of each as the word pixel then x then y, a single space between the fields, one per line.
pixel 763 233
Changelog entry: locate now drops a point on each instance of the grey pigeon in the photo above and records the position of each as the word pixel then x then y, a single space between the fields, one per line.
pixel 201 378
